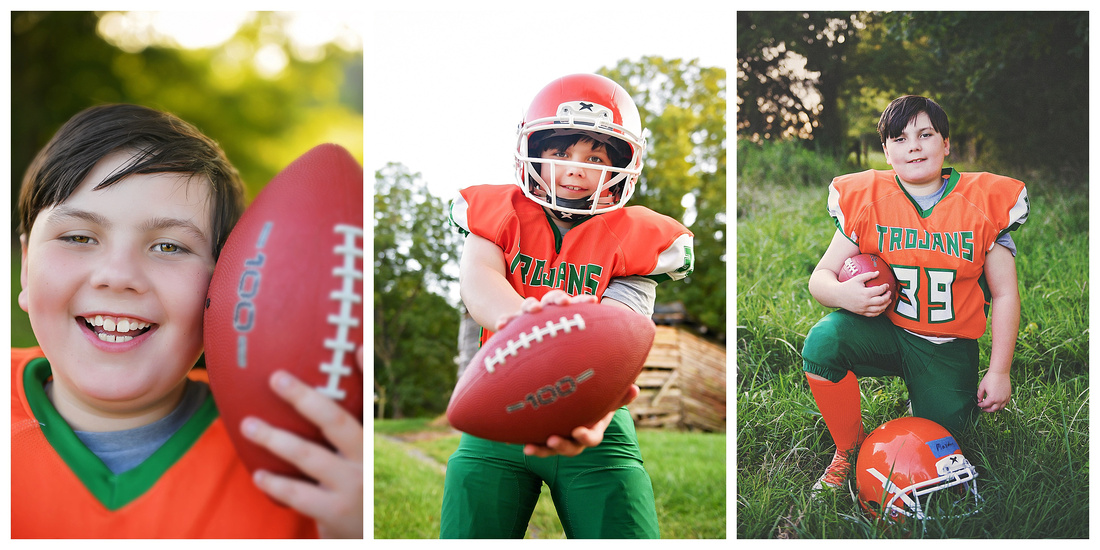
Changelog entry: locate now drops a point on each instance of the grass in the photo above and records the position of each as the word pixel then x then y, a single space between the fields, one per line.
pixel 688 472
pixel 1032 458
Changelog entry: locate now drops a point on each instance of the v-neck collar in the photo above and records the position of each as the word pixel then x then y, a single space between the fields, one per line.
pixel 112 490
pixel 949 174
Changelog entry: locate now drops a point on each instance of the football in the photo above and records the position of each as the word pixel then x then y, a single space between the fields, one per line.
pixel 549 372
pixel 863 263
pixel 287 294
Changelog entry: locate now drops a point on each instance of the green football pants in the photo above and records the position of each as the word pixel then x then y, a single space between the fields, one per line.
pixel 942 379
pixel 491 488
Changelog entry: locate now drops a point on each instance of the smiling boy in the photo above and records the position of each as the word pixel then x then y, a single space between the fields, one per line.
pixel 946 236
pixel 123 214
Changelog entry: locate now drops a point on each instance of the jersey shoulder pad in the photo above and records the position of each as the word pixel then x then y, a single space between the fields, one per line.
pixel 851 194
pixel 1002 198
pixel 645 232
pixel 481 209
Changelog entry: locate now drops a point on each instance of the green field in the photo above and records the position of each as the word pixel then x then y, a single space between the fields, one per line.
pixel 1032 458
pixel 688 471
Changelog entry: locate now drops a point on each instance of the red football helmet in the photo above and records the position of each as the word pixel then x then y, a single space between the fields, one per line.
pixel 599 108
pixel 909 458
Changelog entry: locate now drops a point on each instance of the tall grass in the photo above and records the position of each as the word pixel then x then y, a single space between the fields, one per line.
pixel 1032 458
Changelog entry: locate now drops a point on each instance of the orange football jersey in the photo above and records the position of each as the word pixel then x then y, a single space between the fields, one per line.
pixel 633 240
pixel 938 255
pixel 194 486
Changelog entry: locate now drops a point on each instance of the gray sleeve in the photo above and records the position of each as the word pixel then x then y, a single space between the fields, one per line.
pixel 635 291
pixel 1004 240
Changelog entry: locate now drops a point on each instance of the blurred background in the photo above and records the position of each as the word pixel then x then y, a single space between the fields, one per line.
pixel 1014 85
pixel 267 86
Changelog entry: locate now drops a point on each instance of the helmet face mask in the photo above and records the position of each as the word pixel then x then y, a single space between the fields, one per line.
pixel 598 109
pixel 906 462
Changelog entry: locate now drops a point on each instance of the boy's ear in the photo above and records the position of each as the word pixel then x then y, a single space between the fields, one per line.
pixel 23 298
pixel 946 146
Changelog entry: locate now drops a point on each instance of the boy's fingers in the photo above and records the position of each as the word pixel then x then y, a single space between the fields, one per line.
pixel 340 429
pixel 304 497
pixel 313 460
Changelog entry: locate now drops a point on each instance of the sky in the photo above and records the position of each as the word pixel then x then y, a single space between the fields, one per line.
pixel 446 88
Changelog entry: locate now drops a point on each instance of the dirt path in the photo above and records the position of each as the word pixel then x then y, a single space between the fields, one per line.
pixel 412 451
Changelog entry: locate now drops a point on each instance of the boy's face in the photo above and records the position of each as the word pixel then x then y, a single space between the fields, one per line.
pixel 572 182
pixel 917 154
pixel 135 255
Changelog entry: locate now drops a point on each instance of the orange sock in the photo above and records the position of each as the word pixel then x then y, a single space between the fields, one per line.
pixel 840 408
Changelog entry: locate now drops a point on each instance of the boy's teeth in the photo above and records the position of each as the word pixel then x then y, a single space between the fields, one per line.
pixel 118 325
pixel 112 338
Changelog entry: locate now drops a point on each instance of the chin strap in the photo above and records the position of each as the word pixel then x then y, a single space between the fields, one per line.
pixel 576 204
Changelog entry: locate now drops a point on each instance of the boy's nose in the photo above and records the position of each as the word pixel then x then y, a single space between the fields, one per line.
pixel 120 270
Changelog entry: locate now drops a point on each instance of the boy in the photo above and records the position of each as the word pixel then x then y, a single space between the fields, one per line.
pixel 945 234
pixel 123 214
pixel 562 236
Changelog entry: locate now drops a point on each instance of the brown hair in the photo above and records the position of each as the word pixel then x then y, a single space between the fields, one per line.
pixel 161 142
pixel 897 115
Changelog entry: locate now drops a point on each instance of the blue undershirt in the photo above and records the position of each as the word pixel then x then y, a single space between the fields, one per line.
pixel 125 449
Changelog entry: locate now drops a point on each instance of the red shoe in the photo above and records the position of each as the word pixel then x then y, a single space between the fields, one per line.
pixel 835 474
pixel 837 471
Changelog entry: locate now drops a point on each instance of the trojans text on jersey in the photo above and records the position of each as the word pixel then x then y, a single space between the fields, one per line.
pixel 574 279
pixel 959 244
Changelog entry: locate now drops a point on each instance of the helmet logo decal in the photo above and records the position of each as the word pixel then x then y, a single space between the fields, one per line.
pixel 594 113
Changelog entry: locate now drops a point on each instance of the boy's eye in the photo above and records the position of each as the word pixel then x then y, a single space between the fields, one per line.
pixel 169 248
pixel 78 239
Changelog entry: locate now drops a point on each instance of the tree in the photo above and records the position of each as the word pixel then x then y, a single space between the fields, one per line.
pixel 683 107
pixel 1017 81
pixel 791 72
pixel 61 64
pixel 415 328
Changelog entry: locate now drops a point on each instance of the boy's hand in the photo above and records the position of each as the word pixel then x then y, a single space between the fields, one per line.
pixel 863 300
pixel 533 305
pixel 583 436
pixel 994 392
pixel 336 501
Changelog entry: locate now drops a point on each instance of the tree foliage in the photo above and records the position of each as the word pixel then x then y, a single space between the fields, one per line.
pixel 683 107
pixel 415 328
pixel 61 64
pixel 1017 81
pixel 1013 84
pixel 791 70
